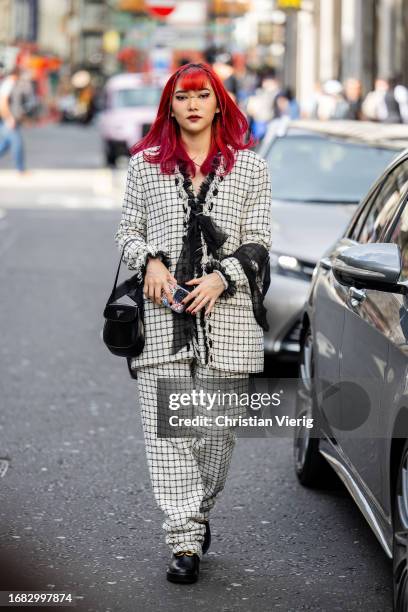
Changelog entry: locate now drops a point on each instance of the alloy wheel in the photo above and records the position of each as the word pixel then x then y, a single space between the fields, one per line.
pixel 304 403
pixel 400 545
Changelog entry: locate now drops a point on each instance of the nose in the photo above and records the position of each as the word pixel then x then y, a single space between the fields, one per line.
pixel 191 104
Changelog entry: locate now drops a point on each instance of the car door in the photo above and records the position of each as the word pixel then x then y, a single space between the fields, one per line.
pixel 395 396
pixel 364 345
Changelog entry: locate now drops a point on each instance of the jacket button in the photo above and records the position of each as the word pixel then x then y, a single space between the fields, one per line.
pixel 215 191
pixel 209 327
pixel 176 181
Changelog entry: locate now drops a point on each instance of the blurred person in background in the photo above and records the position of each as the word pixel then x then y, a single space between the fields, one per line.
pixel 381 104
pixel 354 98
pixel 401 96
pixel 224 67
pixel 260 106
pixel 331 103
pixel 286 105
pixel 16 103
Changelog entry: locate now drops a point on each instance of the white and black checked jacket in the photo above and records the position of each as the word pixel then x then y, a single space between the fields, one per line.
pixel 154 219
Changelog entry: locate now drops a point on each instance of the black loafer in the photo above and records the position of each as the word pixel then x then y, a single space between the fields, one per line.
pixel 184 567
pixel 207 538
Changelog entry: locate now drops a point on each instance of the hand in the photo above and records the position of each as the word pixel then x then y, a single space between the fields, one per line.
pixel 209 289
pixel 157 279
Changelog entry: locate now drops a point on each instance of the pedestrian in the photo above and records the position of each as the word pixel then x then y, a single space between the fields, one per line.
pixel 353 95
pixel 381 104
pixel 286 105
pixel 196 212
pixel 14 95
pixel 260 106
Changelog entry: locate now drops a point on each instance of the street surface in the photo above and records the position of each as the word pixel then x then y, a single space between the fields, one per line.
pixel 76 509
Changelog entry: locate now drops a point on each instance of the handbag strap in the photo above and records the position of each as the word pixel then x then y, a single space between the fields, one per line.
pixel 131 286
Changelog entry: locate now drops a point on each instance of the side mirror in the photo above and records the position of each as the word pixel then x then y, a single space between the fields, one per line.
pixel 370 266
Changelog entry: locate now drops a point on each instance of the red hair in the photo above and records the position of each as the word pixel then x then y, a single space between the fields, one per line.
pixel 229 126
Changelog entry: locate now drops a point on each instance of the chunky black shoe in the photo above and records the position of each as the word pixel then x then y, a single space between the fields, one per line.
pixel 184 567
pixel 207 537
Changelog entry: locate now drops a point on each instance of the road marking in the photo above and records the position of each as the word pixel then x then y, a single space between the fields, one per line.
pixel 4 463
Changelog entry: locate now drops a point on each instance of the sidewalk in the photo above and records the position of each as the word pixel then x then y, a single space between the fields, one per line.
pixel 89 188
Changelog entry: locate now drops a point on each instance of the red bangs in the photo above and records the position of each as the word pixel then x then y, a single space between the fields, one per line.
pixel 193 79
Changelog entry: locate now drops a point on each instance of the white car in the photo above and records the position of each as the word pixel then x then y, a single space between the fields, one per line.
pixel 130 103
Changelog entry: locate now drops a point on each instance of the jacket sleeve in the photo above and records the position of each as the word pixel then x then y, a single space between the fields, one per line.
pixel 131 232
pixel 256 226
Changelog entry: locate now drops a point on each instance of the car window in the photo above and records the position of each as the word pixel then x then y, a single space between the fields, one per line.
pixel 310 168
pixel 400 236
pixel 145 96
pixel 382 206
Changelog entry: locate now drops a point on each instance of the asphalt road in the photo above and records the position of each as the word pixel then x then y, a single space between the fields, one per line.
pixel 76 510
pixel 60 146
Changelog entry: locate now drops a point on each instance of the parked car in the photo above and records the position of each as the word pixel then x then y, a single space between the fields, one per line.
pixel 354 368
pixel 130 103
pixel 319 172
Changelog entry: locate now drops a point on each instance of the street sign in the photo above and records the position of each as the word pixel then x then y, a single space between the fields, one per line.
pixel 160 8
pixel 289 4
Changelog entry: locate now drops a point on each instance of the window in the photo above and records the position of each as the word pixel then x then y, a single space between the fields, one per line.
pixel 400 236
pixel 318 169
pixel 382 206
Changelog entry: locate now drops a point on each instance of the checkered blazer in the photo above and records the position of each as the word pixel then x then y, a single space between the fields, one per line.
pixel 154 219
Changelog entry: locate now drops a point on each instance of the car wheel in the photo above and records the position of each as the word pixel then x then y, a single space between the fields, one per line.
pixel 311 468
pixel 400 537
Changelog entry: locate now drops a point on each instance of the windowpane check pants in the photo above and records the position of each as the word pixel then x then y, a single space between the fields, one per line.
pixel 186 473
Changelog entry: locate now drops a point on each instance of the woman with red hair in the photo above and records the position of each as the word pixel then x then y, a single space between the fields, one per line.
pixel 196 213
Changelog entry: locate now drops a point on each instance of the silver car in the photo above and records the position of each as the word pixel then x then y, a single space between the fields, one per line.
pixel 319 172
pixel 354 368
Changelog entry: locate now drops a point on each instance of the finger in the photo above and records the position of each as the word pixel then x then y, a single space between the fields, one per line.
pixel 149 293
pixel 193 302
pixel 196 302
pixel 157 293
pixel 201 304
pixel 169 295
pixel 190 296
pixel 195 281
pixel 210 307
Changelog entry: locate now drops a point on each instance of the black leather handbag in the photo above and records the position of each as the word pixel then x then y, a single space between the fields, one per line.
pixel 123 330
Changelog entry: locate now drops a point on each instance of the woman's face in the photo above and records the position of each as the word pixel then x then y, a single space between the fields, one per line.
pixel 194 110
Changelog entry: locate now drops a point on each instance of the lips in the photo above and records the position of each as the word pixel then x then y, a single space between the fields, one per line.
pixel 194 117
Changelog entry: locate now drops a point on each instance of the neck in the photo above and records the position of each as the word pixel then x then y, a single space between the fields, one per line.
pixel 197 144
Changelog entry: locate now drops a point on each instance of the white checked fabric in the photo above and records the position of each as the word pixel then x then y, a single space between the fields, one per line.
pixel 154 219
pixel 186 473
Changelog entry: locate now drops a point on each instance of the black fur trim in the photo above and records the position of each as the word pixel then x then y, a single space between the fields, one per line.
pixel 217 265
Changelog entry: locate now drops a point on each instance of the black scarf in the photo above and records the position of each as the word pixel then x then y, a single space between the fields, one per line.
pixel 253 257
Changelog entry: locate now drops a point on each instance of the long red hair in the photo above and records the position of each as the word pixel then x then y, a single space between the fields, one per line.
pixel 229 126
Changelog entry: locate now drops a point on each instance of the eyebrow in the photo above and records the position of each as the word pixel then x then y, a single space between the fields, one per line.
pixel 185 90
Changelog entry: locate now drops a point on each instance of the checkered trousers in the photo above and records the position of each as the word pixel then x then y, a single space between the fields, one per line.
pixel 187 473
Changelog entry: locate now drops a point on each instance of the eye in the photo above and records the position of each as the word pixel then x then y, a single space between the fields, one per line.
pixel 204 95
pixel 180 97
